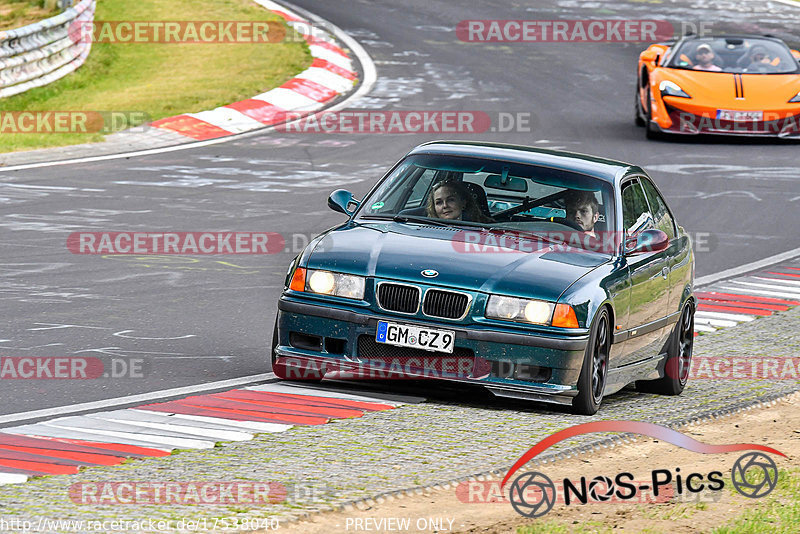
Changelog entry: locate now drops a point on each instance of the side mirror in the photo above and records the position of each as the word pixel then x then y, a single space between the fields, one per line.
pixel 343 201
pixel 649 56
pixel 646 241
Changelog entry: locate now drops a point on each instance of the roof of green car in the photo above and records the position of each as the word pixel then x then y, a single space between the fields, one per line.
pixel 602 168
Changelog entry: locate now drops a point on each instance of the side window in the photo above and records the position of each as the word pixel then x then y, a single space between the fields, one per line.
pixel 420 189
pixel 661 217
pixel 635 212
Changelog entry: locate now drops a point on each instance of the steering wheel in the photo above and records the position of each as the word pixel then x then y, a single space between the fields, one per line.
pixel 566 222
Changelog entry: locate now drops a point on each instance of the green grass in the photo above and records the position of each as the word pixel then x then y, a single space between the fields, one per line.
pixel 779 513
pixel 161 79
pixel 18 13
pixel 555 527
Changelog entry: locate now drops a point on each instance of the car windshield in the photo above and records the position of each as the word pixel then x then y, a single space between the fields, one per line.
pixel 504 195
pixel 735 55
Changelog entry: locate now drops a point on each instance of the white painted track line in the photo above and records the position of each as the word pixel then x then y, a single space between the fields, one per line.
pixel 45 431
pixel 772 287
pixel 730 316
pixel 791 283
pixel 750 291
pixel 361 395
pixel 12 478
pixel 748 267
pixel 173 442
pixel 329 55
pixel 228 119
pixel 326 78
pixel 135 399
pixel 719 323
pixel 246 425
pixel 703 328
pixel 288 99
pixel 161 417
pixel 86 423
pixel 203 432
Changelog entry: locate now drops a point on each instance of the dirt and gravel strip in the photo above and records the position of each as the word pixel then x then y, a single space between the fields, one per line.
pixel 465 509
pixel 415 446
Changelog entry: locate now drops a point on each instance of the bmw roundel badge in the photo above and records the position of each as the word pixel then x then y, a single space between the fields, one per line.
pixel 430 273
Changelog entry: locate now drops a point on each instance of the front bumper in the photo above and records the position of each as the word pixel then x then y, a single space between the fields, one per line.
pixel 344 335
pixel 686 123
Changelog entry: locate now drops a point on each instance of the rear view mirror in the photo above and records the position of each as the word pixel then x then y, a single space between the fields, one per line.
pixel 646 241
pixel 495 181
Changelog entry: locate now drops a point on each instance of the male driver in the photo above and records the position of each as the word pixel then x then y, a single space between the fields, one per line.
pixel 583 208
pixel 704 56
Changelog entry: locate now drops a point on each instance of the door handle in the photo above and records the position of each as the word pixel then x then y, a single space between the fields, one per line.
pixel 665 272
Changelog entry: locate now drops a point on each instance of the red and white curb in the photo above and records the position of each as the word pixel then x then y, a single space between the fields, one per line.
pixel 63 445
pixel 745 298
pixel 331 74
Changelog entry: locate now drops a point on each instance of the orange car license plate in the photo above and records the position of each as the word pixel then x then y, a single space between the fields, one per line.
pixel 740 116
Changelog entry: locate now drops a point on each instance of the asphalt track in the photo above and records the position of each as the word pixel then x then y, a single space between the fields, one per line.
pixel 199 319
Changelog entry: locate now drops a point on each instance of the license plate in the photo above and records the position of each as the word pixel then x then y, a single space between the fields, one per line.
pixel 416 337
pixel 740 116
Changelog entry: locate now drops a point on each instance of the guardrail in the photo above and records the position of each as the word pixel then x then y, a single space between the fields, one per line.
pixel 40 53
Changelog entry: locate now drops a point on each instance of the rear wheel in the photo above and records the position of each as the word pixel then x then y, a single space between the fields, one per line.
pixel 592 380
pixel 679 358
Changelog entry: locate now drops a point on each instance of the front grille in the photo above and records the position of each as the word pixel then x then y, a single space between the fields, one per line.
pixel 398 298
pixel 369 349
pixel 444 304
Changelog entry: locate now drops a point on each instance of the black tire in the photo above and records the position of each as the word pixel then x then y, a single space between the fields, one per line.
pixel 281 370
pixel 650 131
pixel 638 120
pixel 679 358
pixel 592 380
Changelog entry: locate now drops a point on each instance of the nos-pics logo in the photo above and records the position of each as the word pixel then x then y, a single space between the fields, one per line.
pixel 533 494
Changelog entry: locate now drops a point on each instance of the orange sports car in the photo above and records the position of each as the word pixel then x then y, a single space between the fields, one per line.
pixel 732 84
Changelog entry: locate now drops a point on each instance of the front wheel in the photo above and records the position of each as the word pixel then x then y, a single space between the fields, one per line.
pixel 651 130
pixel 679 358
pixel 638 120
pixel 592 380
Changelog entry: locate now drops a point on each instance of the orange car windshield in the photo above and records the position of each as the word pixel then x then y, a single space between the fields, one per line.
pixel 735 55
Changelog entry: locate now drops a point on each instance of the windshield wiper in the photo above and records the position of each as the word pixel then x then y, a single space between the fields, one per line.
pixel 422 220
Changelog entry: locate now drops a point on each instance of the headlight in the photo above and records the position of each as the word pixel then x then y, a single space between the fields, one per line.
pixel 514 309
pixel 669 88
pixel 337 284
pixel 795 98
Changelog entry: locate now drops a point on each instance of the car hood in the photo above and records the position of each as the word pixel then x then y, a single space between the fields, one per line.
pixel 762 92
pixel 399 251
